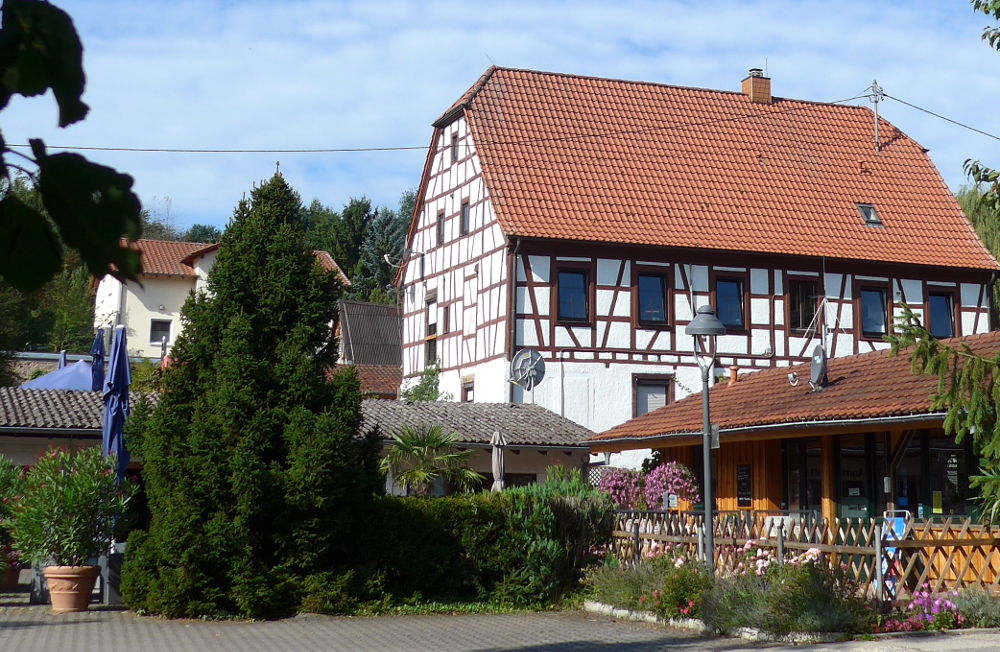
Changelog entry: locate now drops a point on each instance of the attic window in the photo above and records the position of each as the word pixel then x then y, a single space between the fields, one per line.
pixel 869 215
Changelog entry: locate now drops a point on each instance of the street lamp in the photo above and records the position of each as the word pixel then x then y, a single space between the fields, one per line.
pixel 706 326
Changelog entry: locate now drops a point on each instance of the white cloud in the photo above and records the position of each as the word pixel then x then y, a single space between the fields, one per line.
pixel 348 74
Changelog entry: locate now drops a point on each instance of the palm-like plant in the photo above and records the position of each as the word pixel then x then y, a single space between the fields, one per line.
pixel 420 455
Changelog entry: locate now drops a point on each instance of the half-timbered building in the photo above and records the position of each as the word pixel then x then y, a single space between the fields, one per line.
pixel 586 217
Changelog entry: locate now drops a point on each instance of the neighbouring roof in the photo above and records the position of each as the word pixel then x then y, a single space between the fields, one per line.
pixel 521 424
pixel 50 408
pixel 370 334
pixel 525 425
pixel 166 258
pixel 380 381
pixel 589 159
pixel 869 386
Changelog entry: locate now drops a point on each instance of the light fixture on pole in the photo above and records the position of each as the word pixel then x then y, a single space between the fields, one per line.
pixel 705 327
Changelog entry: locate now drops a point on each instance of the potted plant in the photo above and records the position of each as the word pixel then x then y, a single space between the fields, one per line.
pixel 66 517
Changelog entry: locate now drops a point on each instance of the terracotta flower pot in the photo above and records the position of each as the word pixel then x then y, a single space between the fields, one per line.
pixel 70 587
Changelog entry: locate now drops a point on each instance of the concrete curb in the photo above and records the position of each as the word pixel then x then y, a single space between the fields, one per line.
pixel 695 625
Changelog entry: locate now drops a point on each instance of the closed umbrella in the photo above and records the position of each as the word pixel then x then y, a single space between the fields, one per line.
pixel 62 359
pixel 499 443
pixel 97 365
pixel 116 406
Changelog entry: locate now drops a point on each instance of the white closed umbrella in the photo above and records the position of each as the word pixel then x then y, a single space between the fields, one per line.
pixel 499 443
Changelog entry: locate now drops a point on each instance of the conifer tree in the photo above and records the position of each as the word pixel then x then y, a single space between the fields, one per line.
pixel 253 469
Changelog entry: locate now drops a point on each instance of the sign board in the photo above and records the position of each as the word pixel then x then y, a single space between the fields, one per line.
pixel 744 486
pixel 669 501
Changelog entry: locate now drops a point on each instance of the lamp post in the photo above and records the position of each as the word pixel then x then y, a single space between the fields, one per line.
pixel 706 326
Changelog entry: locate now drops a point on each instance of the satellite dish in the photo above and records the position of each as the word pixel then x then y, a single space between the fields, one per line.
pixel 527 368
pixel 817 370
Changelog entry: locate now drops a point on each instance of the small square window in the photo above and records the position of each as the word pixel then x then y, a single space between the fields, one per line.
pixel 650 394
pixel 869 215
pixel 454 148
pixel 729 302
pixel 802 304
pixel 941 318
pixel 159 330
pixel 874 319
pixel 468 390
pixel 466 218
pixel 440 228
pixel 572 290
pixel 652 299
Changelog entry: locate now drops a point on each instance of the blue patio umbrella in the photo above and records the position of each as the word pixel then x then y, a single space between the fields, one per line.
pixel 116 406
pixel 62 359
pixel 97 365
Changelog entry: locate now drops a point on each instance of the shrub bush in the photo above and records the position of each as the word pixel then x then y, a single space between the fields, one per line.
pixel 524 546
pixel 684 585
pixel 808 596
pixel 624 587
pixel 978 607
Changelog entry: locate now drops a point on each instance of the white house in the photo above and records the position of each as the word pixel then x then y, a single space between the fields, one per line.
pixel 170 272
pixel 586 218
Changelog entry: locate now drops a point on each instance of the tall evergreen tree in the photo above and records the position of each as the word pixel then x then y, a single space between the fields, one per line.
pixel 385 238
pixel 254 475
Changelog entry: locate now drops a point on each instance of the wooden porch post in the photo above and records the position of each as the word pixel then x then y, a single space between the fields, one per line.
pixel 828 502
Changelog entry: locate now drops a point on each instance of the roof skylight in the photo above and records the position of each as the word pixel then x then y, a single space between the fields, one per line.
pixel 869 215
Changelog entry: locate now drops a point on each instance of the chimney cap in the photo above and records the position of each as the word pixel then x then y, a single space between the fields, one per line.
pixel 756 72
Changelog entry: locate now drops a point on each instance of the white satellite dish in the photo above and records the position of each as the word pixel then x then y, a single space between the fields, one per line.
pixel 817 370
pixel 527 368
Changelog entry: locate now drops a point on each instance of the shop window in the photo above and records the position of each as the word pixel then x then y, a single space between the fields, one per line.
pixel 572 290
pixel 873 313
pixel 941 314
pixel 651 299
pixel 803 474
pixel 729 302
pixel 802 304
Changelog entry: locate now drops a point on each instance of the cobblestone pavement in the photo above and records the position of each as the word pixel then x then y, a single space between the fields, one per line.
pixel 31 629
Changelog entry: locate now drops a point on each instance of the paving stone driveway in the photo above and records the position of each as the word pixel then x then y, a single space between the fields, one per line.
pixel 31 629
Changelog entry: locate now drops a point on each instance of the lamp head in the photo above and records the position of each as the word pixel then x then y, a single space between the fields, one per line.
pixel 705 323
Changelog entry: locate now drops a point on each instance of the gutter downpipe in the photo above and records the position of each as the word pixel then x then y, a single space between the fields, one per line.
pixel 512 308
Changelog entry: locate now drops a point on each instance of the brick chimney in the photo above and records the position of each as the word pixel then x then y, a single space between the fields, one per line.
pixel 757 87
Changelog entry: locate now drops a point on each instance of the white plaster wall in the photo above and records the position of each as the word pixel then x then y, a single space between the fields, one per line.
pixel 202 266
pixel 489 381
pixel 25 450
pixel 107 302
pixel 143 305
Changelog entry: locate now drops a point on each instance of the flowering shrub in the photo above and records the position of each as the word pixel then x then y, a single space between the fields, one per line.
pixel 672 478
pixel 684 584
pixel 924 611
pixel 624 486
pixel 805 594
pixel 69 508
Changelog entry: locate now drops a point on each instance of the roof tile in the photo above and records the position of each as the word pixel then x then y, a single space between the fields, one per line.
pixel 582 158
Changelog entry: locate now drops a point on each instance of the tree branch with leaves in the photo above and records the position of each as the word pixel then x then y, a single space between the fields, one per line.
pixel 90 207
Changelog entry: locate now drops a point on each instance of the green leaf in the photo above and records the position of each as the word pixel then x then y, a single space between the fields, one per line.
pixel 31 252
pixel 39 50
pixel 94 207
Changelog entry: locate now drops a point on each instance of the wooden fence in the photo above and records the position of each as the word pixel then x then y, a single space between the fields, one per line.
pixel 888 562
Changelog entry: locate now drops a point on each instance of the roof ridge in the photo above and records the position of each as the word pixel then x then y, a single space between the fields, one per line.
pixel 639 82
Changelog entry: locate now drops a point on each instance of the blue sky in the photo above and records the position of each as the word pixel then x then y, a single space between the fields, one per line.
pixel 330 74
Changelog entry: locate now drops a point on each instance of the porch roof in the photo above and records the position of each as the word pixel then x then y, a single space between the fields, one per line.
pixel 866 390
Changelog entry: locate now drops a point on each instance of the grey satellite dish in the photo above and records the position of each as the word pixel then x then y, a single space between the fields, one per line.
pixel 527 368
pixel 817 370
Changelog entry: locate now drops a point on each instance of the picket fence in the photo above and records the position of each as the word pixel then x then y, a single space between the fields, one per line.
pixel 888 563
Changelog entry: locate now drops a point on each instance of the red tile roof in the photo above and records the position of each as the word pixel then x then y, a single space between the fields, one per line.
pixel 166 258
pixel 867 386
pixel 380 381
pixel 590 159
